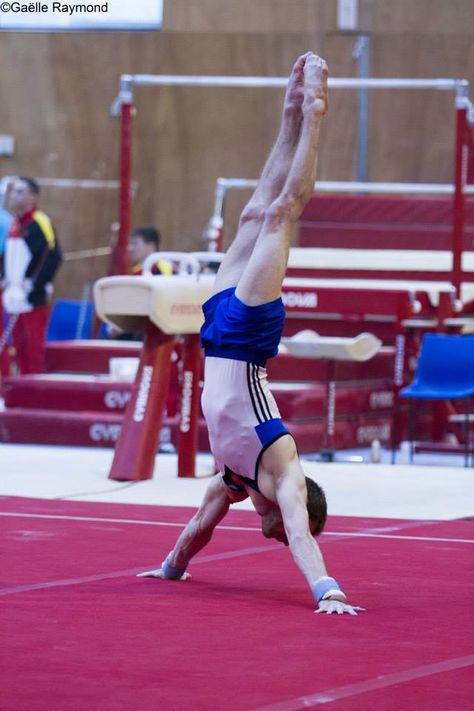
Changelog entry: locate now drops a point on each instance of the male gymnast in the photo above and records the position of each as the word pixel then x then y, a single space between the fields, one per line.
pixel 244 318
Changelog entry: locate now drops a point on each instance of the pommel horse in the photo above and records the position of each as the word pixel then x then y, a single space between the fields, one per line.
pixel 307 344
pixel 163 307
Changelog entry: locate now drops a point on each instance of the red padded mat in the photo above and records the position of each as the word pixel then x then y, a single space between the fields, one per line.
pixel 80 631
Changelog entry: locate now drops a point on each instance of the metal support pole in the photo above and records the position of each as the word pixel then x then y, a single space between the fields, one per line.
pixel 119 262
pixel 134 457
pixel 190 399
pixel 327 453
pixel 213 234
pixel 460 178
pixel 361 55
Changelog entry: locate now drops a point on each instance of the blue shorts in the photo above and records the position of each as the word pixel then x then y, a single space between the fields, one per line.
pixel 234 330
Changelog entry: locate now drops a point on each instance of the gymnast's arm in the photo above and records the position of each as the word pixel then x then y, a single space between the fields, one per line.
pixel 291 496
pixel 199 530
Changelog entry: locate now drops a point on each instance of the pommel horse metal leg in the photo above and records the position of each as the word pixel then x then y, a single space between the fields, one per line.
pixel 136 447
pixel 327 453
pixel 190 396
pixel 170 306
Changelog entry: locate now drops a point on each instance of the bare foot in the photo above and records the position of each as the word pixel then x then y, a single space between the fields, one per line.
pixel 295 90
pixel 315 86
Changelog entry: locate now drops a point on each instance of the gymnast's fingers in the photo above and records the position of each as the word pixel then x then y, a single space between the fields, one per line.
pixel 158 573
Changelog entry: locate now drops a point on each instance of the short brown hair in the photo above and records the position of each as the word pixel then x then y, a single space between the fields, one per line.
pixel 316 505
pixel 33 185
pixel 149 235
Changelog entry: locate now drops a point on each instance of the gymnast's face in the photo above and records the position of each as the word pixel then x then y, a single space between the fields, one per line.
pixel 139 249
pixel 20 198
pixel 272 526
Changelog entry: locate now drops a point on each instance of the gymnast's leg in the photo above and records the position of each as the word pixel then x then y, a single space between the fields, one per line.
pixel 261 280
pixel 270 183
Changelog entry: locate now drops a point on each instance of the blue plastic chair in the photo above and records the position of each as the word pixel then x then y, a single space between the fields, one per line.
pixel 445 371
pixel 70 320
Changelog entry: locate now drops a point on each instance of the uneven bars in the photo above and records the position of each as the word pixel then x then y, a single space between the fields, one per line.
pixel 83 183
pixel 352 186
pixel 123 106
pixel 78 183
pixel 127 80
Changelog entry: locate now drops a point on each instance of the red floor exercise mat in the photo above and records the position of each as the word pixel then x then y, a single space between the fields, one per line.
pixel 80 631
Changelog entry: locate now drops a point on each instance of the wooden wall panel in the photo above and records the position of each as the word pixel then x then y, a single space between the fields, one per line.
pixel 378 16
pixel 230 131
pixel 412 132
pixel 57 90
pixel 423 17
pixel 248 16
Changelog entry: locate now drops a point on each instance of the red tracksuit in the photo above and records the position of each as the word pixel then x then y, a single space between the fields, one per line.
pixel 38 263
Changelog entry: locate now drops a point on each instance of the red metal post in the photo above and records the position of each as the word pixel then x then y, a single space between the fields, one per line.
pixel 137 444
pixel 190 396
pixel 403 346
pixel 119 262
pixel 460 178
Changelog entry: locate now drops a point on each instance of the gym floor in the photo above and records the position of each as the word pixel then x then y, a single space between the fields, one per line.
pixel 80 630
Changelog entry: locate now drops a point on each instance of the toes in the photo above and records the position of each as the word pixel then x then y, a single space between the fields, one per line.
pixel 315 62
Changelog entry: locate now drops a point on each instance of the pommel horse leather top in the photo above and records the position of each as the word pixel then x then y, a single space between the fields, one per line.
pixel 173 303
pixel 307 344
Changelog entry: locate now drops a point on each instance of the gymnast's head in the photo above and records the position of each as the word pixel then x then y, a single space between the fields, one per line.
pixel 143 242
pixel 272 522
pixel 317 507
pixel 23 196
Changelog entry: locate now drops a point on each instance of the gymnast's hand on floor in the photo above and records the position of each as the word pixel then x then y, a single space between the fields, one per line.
pixel 159 573
pixel 338 607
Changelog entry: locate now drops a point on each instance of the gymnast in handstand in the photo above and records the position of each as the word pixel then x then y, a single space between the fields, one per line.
pixel 255 454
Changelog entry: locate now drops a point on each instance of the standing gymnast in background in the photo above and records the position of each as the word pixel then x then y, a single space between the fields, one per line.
pixel 244 319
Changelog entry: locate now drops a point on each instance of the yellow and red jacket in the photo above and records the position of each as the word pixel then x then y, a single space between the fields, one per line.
pixel 32 252
pixel 161 266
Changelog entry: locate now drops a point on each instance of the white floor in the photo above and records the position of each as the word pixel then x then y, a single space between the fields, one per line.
pixel 433 491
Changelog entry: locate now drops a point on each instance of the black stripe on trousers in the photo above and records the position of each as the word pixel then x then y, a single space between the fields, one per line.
pixel 259 387
pixel 252 395
pixel 257 394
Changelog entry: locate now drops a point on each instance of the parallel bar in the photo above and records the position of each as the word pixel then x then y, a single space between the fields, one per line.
pixel 78 183
pixel 81 183
pixel 354 186
pixel 87 253
pixel 259 82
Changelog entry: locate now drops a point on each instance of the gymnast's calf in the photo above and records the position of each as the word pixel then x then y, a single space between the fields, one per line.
pixel 243 322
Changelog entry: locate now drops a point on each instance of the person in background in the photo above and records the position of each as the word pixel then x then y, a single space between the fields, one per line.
pixel 143 242
pixel 5 223
pixel 31 261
